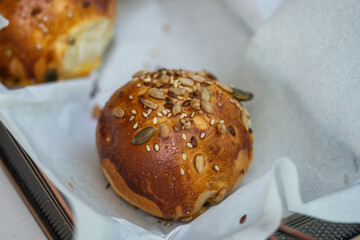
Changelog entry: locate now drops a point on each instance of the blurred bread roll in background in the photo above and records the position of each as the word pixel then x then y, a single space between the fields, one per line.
pixel 50 40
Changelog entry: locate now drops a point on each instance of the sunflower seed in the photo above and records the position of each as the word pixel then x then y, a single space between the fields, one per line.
pixel 204 94
pixel 164 131
pixel 242 95
pixel 176 109
pixel 193 142
pixel 140 73
pixel 135 126
pixel 149 103
pixel 148 148
pixel 195 103
pixel 199 163
pixel 245 117
pixel 202 135
pixel 157 148
pixel 143 135
pixel 187 82
pixel 216 167
pixel 184 136
pixel 155 120
pixel 164 78
pixel 189 145
pixel 183 156
pixel 186 103
pixel 206 106
pixel 224 87
pixel 178 91
pixel 221 128
pixel 168 105
pixel 197 78
pixel 182 172
pixel 156 93
pixel 118 112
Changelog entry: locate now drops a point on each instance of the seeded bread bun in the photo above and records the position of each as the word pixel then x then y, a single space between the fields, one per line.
pixel 173 142
pixel 50 40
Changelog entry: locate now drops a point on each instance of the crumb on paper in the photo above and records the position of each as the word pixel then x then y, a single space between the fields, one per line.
pixel 70 185
pixel 96 111
pixel 107 186
pixel 166 28
pixel 243 219
pixel 159 221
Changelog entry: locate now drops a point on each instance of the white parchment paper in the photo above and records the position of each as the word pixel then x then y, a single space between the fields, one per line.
pixel 303 71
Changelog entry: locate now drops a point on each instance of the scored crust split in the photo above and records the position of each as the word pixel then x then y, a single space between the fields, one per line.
pixel 173 142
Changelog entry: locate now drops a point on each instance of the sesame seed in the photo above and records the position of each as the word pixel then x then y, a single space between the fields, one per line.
pixel 216 167
pixel 164 111
pixel 183 156
pixel 38 46
pixel 149 111
pixel 159 114
pixel 23 14
pixel 202 135
pixel 192 114
pixel 169 115
pixel 134 111
pixel 182 172
pixel 45 18
pixel 138 85
pixel 70 14
pixel 189 145
pixel 145 115
pixel 148 148
pixel 212 122
pixel 184 136
pixel 131 118
pixel 221 121
pixel 155 120
pixel 131 97
pixel 135 126
pixel 45 30
pixel 157 148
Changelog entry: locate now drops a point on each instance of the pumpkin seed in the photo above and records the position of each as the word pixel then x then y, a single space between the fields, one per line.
pixel 143 135
pixel 242 95
pixel 178 91
pixel 177 108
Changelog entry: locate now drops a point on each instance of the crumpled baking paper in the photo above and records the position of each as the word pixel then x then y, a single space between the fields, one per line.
pixel 302 66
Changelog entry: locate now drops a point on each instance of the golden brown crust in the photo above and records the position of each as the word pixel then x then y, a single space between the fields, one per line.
pixel 156 176
pixel 38 43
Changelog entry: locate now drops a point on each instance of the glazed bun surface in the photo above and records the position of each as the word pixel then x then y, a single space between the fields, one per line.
pixel 173 142
pixel 51 40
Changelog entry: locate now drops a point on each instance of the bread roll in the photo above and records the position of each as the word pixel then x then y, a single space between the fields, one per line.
pixel 172 142
pixel 50 40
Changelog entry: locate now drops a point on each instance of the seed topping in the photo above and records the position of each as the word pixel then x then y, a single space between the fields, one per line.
pixel 143 135
pixel 156 93
pixel 149 103
pixel 183 156
pixel 118 112
pixel 157 148
pixel 164 131
pixel 221 128
pixel 199 163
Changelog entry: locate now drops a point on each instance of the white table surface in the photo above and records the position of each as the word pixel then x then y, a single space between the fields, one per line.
pixel 16 220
